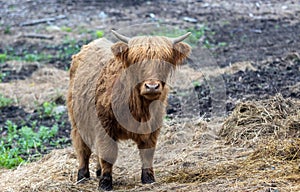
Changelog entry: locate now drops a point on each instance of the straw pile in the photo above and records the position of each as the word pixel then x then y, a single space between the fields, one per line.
pixel 189 158
pixel 269 133
pixel 273 166
pixel 264 154
pixel 272 128
pixel 254 120
pixel 54 172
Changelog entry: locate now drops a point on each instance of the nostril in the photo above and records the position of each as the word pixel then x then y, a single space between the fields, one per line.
pixel 152 86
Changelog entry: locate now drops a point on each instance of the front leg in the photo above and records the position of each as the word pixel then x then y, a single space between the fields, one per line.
pixel 147 150
pixel 147 175
pixel 105 182
pixel 108 153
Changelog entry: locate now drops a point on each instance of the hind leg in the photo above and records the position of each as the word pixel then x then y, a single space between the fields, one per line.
pixel 83 154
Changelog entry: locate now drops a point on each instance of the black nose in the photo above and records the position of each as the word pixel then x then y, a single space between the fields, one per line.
pixel 152 86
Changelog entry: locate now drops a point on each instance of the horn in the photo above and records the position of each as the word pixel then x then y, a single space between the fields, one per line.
pixel 180 38
pixel 121 37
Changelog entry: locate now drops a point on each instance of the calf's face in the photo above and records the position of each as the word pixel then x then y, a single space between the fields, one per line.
pixel 149 62
pixel 151 89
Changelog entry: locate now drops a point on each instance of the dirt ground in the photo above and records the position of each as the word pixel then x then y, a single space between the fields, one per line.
pixel 253 55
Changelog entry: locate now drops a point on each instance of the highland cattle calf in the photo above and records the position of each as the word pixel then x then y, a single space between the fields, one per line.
pixel 118 91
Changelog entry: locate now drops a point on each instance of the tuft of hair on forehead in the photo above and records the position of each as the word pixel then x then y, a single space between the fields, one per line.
pixel 150 47
pixel 143 48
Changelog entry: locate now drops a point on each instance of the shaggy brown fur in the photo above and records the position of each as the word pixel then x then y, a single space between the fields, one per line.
pixel 118 91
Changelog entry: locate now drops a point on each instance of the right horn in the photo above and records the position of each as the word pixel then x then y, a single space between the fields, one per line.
pixel 180 38
pixel 121 37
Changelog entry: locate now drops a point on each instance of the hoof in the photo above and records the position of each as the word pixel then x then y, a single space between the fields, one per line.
pixel 82 174
pixel 148 176
pixel 98 173
pixel 105 182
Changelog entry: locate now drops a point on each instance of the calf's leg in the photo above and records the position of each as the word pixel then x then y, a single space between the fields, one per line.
pixel 98 168
pixel 147 150
pixel 105 182
pixel 147 167
pixel 83 154
pixel 107 157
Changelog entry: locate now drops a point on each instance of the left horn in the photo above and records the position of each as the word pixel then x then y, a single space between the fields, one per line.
pixel 121 37
pixel 180 38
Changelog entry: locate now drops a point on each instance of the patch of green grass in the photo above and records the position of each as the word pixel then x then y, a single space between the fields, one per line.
pixel 50 53
pixel 66 29
pixel 34 57
pixel 31 57
pixel 198 32
pixel 99 33
pixel 3 57
pixel 18 143
pixel 29 139
pixel 7 30
pixel 196 83
pixel 167 118
pixel 69 47
pixel 5 101
pixel 201 33
pixel 47 109
pixel 222 44
pixel 10 55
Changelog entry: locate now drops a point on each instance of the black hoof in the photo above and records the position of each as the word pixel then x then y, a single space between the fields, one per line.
pixel 148 176
pixel 105 182
pixel 98 172
pixel 82 174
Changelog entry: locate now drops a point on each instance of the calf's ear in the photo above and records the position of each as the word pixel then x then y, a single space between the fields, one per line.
pixel 181 52
pixel 120 51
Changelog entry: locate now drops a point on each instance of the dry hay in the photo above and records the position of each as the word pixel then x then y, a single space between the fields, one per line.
pixel 253 120
pixel 52 173
pixel 198 166
pixel 275 164
pixel 272 128
pixel 55 172
pixel 188 158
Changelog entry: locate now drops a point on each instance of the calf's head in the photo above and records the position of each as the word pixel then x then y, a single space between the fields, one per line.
pixel 149 60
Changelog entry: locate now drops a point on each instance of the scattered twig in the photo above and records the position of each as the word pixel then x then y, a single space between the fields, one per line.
pixel 38 36
pixel 45 20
